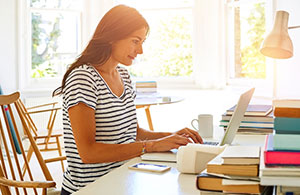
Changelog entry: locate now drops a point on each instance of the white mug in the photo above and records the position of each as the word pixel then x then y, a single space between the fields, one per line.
pixel 205 125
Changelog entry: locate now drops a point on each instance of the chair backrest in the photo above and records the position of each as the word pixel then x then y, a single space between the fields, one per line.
pixel 10 161
pixel 50 108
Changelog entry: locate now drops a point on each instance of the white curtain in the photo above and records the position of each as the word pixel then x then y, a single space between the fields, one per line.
pixel 94 10
pixel 209 45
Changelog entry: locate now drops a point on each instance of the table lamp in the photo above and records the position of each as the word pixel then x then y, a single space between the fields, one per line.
pixel 278 43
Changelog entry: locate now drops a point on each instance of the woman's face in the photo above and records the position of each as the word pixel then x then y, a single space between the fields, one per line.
pixel 125 51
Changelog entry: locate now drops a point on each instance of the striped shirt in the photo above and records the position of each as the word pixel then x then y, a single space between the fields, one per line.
pixel 115 117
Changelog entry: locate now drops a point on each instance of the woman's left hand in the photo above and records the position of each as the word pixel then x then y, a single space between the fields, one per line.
pixel 194 135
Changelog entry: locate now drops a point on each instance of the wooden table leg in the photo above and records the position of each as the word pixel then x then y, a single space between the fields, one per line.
pixel 147 110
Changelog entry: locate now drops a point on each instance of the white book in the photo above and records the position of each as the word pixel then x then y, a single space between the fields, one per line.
pixel 279 180
pixel 287 103
pixel 241 155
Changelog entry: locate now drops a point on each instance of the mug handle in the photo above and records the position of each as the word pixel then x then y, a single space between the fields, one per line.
pixel 192 123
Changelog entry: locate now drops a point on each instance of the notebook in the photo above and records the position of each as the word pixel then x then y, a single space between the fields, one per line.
pixel 227 138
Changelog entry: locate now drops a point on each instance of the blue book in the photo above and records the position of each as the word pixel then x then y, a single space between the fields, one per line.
pixel 287 124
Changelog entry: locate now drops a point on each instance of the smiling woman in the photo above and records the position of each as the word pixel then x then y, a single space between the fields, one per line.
pixel 99 115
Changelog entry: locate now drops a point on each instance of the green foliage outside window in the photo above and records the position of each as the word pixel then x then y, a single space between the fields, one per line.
pixel 169 53
pixel 175 54
pixel 253 62
pixel 44 45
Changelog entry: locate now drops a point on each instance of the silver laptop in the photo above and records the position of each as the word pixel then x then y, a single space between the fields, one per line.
pixel 228 136
pixel 236 119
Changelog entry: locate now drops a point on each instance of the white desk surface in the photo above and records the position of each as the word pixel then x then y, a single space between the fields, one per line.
pixel 123 181
pixel 144 100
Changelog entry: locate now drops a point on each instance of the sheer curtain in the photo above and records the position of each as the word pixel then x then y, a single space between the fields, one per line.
pixel 209 44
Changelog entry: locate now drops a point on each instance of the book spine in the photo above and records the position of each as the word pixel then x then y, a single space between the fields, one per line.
pixel 286 132
pixel 286 142
pixel 286 103
pixel 252 119
pixel 287 112
pixel 284 123
pixel 249 113
pixel 250 124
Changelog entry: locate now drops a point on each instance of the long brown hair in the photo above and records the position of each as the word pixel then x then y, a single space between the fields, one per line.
pixel 117 24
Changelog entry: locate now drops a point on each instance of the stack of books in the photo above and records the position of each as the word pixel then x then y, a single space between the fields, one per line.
pixel 257 119
pixel 287 117
pixel 281 162
pixel 233 171
pixel 146 86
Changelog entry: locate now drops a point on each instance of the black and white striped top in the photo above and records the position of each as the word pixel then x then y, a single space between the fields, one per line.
pixel 115 117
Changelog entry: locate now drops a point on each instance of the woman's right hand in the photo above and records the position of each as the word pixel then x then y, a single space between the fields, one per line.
pixel 167 143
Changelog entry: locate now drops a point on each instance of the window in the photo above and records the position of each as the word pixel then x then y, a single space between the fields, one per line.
pixel 246 29
pixel 53 38
pixel 168 48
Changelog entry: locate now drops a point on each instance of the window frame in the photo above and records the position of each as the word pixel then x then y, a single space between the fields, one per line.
pixel 264 87
pixel 25 82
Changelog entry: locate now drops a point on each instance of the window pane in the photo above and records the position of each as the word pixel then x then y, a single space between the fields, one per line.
pixel 168 49
pixel 54 42
pixel 65 4
pixel 249 28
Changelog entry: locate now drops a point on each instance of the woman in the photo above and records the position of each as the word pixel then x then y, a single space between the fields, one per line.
pixel 99 116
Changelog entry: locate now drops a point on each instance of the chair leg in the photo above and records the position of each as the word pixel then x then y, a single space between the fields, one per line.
pixel 60 153
pixel 29 154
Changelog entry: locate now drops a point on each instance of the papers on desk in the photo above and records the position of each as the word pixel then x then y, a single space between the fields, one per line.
pixel 169 156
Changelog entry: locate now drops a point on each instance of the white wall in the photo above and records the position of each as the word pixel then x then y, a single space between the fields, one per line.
pixel 8 45
pixel 288 71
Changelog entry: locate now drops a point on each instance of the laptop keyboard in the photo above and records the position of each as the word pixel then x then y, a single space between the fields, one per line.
pixel 211 143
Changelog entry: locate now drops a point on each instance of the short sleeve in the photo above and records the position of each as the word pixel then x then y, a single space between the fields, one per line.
pixel 80 87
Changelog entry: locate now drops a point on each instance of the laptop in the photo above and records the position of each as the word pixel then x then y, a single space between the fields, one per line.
pixel 227 138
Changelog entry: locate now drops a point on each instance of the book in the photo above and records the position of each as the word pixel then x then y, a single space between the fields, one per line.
pixel 287 124
pixel 278 175
pixel 253 110
pixel 279 180
pixel 287 103
pixel 286 142
pixel 287 112
pixel 268 118
pixel 241 155
pixel 248 124
pixel 215 183
pixel 286 132
pixel 261 131
pixel 275 157
pixel 216 166
pixel 287 171
pixel 145 84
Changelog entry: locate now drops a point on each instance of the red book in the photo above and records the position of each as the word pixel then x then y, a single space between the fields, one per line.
pixel 279 157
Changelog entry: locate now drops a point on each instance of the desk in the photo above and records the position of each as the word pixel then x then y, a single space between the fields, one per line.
pixel 143 101
pixel 123 181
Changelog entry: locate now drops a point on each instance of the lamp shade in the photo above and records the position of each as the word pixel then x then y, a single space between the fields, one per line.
pixel 278 43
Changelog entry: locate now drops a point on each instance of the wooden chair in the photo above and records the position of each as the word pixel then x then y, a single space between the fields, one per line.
pixel 12 181
pixel 44 138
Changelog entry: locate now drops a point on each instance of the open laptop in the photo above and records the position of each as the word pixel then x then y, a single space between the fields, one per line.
pixel 227 138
